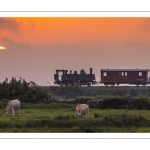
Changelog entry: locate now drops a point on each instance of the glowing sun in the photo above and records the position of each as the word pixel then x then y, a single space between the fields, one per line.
pixel 1 47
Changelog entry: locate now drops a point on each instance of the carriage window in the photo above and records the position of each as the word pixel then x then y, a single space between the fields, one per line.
pixel 122 73
pixel 140 73
pixel 104 73
pixel 125 73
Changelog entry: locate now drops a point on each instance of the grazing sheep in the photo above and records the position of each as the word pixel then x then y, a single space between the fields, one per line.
pixel 12 106
pixel 82 109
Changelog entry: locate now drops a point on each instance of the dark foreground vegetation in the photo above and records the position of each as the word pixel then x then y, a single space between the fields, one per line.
pixel 52 109
pixel 65 120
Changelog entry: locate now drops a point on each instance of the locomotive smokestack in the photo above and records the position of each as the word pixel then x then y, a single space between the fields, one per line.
pixel 90 70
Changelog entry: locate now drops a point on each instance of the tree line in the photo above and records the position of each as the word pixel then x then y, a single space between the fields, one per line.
pixel 24 91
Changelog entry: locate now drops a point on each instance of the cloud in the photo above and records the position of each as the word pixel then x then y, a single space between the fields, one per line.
pixel 9 24
pixel 14 45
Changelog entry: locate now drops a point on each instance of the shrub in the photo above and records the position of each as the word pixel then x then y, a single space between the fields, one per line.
pixel 24 91
pixel 82 100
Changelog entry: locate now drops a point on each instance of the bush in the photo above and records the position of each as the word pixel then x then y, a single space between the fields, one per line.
pixel 82 100
pixel 116 102
pixel 24 91
pixel 3 103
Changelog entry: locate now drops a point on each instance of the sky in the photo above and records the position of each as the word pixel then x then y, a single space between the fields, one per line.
pixel 33 48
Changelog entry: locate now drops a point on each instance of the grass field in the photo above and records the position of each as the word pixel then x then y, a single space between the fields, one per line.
pixel 65 121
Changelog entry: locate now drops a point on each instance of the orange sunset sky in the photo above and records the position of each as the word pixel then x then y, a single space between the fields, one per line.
pixel 36 47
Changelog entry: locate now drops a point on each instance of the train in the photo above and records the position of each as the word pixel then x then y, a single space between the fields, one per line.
pixel 108 76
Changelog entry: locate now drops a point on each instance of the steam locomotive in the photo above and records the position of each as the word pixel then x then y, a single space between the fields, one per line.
pixel 108 77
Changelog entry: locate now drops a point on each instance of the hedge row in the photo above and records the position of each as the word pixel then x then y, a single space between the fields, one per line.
pixel 116 102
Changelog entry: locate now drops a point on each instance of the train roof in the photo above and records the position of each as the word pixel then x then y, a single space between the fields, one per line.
pixel 125 70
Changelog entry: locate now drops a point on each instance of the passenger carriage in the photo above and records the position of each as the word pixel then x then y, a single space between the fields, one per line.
pixel 124 76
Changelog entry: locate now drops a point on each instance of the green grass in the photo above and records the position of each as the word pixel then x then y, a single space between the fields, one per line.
pixel 65 120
